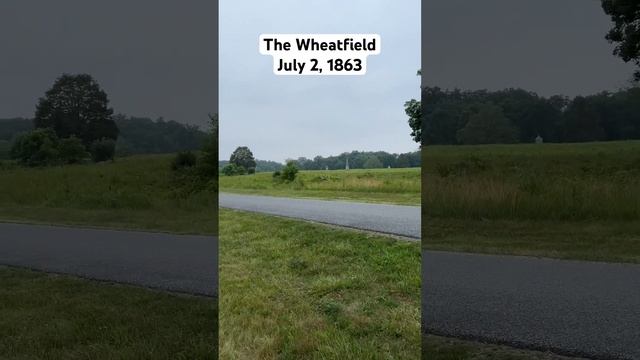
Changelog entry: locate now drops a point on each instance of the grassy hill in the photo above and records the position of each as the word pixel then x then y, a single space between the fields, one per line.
pixel 137 192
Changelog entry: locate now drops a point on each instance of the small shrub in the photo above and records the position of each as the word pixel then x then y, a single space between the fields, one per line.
pixel 72 151
pixel 103 150
pixel 36 148
pixel 182 160
pixel 233 170
pixel 277 177
pixel 289 172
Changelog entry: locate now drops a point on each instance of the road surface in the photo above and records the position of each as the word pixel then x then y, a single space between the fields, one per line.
pixel 164 261
pixel 390 219
pixel 573 307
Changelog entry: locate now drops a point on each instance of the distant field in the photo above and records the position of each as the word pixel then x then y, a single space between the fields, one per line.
pixel 574 201
pixel 400 186
pixel 137 192
pixel 579 201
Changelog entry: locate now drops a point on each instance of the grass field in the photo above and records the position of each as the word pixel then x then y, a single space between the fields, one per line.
pixel 54 317
pixel 563 182
pixel 295 290
pixel 58 317
pixel 137 192
pixel 398 186
pixel 311 291
pixel 573 201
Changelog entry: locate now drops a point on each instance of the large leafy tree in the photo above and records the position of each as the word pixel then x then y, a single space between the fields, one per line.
pixel 243 157
pixel 76 105
pixel 626 30
pixel 413 109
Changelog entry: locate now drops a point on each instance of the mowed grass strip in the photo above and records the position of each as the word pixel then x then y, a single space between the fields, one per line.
pixel 395 186
pixel 442 348
pixel 608 241
pixel 295 290
pixel 46 316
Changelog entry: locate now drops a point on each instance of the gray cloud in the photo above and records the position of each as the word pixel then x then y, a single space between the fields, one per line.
pixel 280 117
pixel 153 57
pixel 547 46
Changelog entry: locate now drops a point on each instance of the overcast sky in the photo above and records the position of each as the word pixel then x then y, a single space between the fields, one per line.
pixel 281 117
pixel 158 58
pixel 547 46
pixel 152 57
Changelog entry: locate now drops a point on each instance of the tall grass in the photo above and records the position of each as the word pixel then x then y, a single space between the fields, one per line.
pixel 597 181
pixel 140 182
pixel 138 191
pixel 383 185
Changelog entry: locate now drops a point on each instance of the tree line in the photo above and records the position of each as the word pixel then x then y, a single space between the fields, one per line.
pixel 73 122
pixel 138 135
pixel 356 159
pixel 361 160
pixel 520 116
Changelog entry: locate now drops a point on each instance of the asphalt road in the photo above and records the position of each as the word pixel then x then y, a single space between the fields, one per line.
pixel 164 261
pixel 572 307
pixel 390 219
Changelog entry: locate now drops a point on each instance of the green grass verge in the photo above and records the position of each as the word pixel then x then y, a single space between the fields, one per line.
pixel 396 186
pixel 441 348
pixel 608 241
pixel 59 317
pixel 296 290
pixel 45 316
